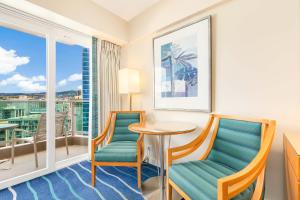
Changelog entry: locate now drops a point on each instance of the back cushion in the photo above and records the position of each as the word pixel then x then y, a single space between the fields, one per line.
pixel 123 120
pixel 236 144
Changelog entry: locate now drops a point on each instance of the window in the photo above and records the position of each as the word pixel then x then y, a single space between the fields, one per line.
pixel 22 101
pixel 72 100
pixel 46 76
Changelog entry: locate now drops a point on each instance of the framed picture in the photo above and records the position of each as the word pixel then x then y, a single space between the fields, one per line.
pixel 182 73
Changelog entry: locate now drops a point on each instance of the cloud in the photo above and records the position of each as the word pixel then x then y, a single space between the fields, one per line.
pixel 16 78
pixel 13 80
pixel 62 82
pixel 79 87
pixel 9 61
pixel 75 77
pixel 39 78
pixel 71 78
pixel 28 84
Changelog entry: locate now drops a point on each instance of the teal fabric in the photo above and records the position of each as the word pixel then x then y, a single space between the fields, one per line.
pixel 123 147
pixel 122 133
pixel 236 144
pixel 198 179
pixel 124 151
pixel 95 125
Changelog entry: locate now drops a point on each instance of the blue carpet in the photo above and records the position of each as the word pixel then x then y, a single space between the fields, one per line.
pixel 74 182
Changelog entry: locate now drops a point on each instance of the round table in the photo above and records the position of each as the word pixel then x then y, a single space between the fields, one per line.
pixel 163 129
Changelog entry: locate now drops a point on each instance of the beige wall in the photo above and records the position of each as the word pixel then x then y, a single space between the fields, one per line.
pixel 105 24
pixel 256 65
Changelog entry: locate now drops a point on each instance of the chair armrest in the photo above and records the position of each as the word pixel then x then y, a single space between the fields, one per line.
pixel 140 141
pixel 97 140
pixel 230 186
pixel 184 150
pixel 139 148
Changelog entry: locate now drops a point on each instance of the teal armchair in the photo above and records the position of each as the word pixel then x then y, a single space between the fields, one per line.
pixel 123 147
pixel 232 167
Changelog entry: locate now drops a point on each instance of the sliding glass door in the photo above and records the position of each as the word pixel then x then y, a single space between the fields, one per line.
pixel 22 102
pixel 72 100
pixel 44 96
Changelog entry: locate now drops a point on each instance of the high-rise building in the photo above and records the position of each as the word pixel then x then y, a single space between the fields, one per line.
pixel 85 89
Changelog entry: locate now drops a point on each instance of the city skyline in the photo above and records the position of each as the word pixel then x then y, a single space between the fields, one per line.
pixel 23 63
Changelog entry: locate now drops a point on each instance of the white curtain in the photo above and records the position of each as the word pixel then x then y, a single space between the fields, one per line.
pixel 109 91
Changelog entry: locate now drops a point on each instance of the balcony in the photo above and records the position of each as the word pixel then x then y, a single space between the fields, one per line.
pixel 27 116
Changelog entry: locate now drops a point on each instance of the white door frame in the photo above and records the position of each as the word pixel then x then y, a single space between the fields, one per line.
pixel 16 19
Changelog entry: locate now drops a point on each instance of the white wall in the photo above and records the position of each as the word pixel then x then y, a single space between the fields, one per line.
pixel 256 65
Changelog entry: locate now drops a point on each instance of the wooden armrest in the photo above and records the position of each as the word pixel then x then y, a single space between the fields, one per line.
pixel 140 146
pixel 140 141
pixel 230 186
pixel 98 140
pixel 184 150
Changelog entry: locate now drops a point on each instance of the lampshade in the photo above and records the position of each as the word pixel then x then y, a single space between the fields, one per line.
pixel 129 81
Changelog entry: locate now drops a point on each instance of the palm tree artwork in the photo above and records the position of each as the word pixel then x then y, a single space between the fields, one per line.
pixel 179 65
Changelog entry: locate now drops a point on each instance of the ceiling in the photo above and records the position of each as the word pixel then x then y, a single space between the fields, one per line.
pixel 126 9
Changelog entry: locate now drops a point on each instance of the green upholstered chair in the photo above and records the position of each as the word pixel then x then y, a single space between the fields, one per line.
pixel 123 147
pixel 232 167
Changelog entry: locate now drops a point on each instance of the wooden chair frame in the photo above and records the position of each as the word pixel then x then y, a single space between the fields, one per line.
pixel 232 185
pixel 100 140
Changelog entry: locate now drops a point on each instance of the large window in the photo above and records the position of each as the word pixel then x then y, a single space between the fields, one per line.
pixel 44 96
pixel 72 100
pixel 22 102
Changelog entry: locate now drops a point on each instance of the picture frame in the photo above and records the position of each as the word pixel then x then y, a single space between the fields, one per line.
pixel 182 68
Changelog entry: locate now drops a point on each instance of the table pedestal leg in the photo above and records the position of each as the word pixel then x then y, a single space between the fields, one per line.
pixel 162 164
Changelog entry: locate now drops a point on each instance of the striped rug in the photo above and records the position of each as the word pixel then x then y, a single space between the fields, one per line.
pixel 73 182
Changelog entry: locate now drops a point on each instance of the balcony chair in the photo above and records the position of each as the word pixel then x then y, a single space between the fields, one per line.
pixel 232 167
pixel 33 137
pixel 123 147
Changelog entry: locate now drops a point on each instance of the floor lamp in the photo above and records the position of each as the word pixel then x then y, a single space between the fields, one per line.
pixel 129 83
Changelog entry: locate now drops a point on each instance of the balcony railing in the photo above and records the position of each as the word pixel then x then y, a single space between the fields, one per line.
pixel 26 113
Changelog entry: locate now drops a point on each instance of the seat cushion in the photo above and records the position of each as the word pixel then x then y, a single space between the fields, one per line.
pixel 121 132
pixel 124 151
pixel 198 179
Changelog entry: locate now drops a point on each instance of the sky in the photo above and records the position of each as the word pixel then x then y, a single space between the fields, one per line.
pixel 23 63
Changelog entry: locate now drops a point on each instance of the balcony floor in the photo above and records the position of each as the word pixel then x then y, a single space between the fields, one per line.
pixel 26 164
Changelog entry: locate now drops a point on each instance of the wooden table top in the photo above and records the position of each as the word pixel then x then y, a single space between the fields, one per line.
pixel 163 128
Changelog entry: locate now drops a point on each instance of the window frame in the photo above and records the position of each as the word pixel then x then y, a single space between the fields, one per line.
pixel 18 20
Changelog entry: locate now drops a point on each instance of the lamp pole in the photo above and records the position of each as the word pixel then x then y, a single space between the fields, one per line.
pixel 130 101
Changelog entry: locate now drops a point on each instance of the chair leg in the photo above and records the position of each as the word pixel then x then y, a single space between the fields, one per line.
pixel 13 148
pixel 169 191
pixel 35 152
pixel 139 177
pixel 93 173
pixel 66 143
